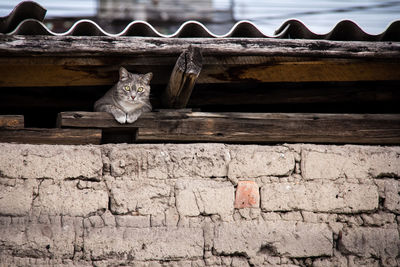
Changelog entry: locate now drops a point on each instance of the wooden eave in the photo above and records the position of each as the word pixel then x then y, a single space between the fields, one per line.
pixel 80 61
pixel 179 64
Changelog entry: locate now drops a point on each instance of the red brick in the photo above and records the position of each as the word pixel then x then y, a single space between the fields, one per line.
pixel 247 195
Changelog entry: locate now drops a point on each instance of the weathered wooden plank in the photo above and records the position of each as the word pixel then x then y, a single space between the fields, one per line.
pixel 83 61
pixel 128 46
pixel 296 71
pixel 51 136
pixel 250 127
pixel 105 61
pixel 79 71
pixel 139 61
pixel 102 120
pixel 314 128
pixel 49 75
pixel 64 75
pixel 304 71
pixel 82 119
pixel 183 78
pixel 11 121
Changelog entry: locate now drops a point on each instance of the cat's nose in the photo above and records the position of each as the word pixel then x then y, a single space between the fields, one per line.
pixel 133 97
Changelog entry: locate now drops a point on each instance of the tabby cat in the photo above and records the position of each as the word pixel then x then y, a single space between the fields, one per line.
pixel 128 98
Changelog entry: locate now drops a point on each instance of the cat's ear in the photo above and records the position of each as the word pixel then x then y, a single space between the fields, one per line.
pixel 146 78
pixel 123 74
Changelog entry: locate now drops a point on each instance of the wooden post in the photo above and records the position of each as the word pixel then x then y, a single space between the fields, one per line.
pixel 183 77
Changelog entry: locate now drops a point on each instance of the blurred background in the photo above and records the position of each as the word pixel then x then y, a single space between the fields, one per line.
pixel 320 16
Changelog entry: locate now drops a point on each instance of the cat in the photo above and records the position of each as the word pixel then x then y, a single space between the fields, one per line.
pixel 128 98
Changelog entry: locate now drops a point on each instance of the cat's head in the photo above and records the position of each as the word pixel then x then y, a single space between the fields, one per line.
pixel 133 87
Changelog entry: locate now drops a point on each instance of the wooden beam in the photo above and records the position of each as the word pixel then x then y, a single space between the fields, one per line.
pixel 183 78
pixel 250 127
pixel 51 136
pixel 83 119
pixel 48 75
pixel 12 121
pixel 78 71
pixel 266 128
pixel 324 70
pixel 97 46
pixel 27 61
pixel 298 70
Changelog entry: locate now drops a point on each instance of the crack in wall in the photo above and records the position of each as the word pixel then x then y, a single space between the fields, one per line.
pixel 36 194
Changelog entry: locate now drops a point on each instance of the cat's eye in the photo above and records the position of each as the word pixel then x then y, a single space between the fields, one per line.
pixel 127 88
pixel 140 89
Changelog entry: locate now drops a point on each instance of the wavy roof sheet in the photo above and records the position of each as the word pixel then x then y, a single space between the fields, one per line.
pixel 27 17
pixel 23 11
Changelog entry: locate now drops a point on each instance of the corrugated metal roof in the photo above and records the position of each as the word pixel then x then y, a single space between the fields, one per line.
pixel 23 11
pixel 27 19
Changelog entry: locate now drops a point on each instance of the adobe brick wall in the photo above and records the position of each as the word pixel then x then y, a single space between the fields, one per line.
pixel 199 205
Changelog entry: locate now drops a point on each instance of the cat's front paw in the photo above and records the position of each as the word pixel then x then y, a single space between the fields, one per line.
pixel 132 117
pixel 120 118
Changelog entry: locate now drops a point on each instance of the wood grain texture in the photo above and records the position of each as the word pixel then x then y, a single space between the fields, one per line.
pixel 75 71
pixel 51 136
pixel 85 61
pixel 323 70
pixel 183 78
pixel 128 46
pixel 12 121
pixel 250 127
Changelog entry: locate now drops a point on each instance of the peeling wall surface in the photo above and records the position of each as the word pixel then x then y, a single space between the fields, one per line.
pixel 199 205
